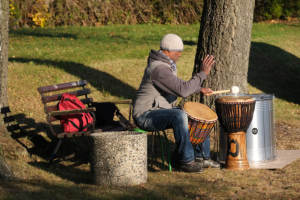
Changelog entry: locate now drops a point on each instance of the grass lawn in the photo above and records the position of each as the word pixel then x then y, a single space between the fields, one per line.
pixel 112 59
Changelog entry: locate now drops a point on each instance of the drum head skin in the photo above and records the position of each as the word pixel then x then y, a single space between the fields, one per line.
pixel 199 111
pixel 235 99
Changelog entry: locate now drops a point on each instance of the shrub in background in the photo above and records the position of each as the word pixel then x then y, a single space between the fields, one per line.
pixel 276 9
pixel 101 12
pixel 29 13
pixel 40 13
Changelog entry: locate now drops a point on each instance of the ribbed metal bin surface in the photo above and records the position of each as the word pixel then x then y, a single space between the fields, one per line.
pixel 261 136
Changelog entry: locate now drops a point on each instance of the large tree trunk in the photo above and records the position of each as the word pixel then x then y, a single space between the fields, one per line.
pixel 4 10
pixel 3 54
pixel 225 32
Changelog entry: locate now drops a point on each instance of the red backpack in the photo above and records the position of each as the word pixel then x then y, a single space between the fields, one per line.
pixel 73 122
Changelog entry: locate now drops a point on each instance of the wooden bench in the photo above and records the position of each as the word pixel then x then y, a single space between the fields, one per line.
pixel 51 95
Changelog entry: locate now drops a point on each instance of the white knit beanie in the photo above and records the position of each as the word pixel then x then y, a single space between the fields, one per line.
pixel 171 42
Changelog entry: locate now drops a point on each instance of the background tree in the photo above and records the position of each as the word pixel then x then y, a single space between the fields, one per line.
pixel 225 32
pixel 4 169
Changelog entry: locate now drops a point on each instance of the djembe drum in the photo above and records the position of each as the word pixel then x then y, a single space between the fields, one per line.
pixel 235 114
pixel 201 120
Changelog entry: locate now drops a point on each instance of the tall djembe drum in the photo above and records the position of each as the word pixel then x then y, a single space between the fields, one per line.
pixel 235 114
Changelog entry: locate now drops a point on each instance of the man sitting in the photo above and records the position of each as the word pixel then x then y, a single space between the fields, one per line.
pixel 154 105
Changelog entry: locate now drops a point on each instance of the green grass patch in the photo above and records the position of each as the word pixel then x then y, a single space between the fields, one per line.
pixel 86 44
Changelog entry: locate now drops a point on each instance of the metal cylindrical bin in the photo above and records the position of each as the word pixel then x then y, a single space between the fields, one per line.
pixel 261 135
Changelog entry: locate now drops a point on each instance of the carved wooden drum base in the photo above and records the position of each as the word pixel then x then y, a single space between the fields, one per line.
pixel 237 151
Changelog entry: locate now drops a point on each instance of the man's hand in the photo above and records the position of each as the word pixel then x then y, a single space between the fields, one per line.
pixel 207 64
pixel 206 91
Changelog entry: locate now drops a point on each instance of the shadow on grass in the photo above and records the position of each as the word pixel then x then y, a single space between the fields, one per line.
pixel 176 186
pixel 19 126
pixel 41 189
pixel 27 133
pixel 102 81
pixel 189 42
pixel 274 71
pixel 42 33
pixel 68 172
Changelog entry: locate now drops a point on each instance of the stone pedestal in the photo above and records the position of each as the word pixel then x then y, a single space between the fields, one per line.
pixel 119 158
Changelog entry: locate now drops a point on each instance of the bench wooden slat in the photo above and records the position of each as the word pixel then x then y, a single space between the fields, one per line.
pixel 55 116
pixel 68 112
pixel 55 108
pixel 125 101
pixel 51 119
pixel 87 100
pixel 102 129
pixel 62 86
pixel 57 97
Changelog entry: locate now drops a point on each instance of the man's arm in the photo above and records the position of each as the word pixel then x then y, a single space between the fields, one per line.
pixel 164 79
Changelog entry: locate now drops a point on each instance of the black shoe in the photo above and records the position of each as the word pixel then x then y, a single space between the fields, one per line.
pixel 191 167
pixel 207 163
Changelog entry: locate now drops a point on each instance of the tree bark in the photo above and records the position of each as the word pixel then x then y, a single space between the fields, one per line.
pixel 225 32
pixel 3 54
pixel 4 14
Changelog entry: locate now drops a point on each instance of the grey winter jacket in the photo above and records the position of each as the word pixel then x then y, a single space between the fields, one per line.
pixel 160 85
